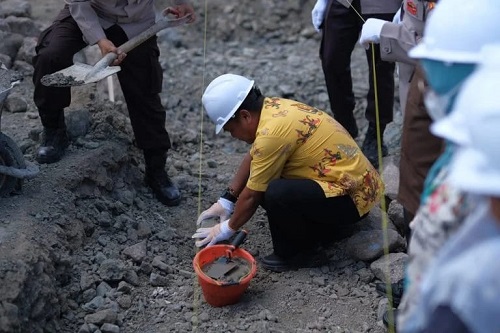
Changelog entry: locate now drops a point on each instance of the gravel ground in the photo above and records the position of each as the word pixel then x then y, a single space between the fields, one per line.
pixel 84 246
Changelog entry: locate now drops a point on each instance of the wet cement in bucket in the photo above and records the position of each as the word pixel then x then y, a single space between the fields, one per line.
pixel 235 275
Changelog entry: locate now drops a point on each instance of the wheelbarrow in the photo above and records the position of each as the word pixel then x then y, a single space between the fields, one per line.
pixel 13 167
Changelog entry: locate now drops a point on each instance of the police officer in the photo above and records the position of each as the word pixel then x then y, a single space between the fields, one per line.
pixel 419 148
pixel 340 23
pixel 396 38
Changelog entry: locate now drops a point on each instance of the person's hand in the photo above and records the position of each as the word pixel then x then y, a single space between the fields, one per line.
pixel 397 17
pixel 180 11
pixel 370 33
pixel 223 208
pixel 213 235
pixel 318 14
pixel 106 46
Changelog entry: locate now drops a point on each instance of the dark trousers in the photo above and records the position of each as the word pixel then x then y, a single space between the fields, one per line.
pixel 141 79
pixel 301 217
pixel 419 147
pixel 341 29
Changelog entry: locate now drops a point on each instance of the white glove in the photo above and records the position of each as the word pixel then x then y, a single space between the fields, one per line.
pixel 213 235
pixel 397 17
pixel 318 14
pixel 370 33
pixel 223 208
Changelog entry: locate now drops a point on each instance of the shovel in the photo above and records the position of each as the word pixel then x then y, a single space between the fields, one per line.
pixel 80 74
pixel 224 265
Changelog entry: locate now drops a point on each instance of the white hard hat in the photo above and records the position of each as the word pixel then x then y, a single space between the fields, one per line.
pixel 475 101
pixel 457 29
pixel 223 96
pixel 475 172
pixel 476 167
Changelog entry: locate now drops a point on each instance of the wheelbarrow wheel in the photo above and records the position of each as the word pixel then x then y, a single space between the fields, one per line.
pixel 10 156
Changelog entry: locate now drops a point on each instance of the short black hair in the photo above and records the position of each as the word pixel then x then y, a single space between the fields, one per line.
pixel 254 100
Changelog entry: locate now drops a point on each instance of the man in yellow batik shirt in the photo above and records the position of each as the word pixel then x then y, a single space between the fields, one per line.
pixel 303 168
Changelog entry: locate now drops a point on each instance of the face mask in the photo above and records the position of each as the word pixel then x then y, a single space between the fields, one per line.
pixel 437 105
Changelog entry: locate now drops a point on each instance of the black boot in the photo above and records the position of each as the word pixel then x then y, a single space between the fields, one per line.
pixel 369 146
pixel 156 177
pixel 54 143
pixel 390 320
pixel 397 290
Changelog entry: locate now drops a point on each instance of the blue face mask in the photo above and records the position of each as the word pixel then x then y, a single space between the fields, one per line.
pixel 444 81
pixel 438 105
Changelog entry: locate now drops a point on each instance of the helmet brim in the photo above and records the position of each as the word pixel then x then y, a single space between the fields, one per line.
pixel 472 172
pixel 423 51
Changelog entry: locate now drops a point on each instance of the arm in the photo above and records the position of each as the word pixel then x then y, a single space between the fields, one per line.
pixel 87 20
pixel 181 8
pixel 246 206
pixel 395 42
pixel 240 178
pixel 248 200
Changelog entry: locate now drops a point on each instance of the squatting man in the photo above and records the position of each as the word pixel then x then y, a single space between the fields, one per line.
pixel 303 168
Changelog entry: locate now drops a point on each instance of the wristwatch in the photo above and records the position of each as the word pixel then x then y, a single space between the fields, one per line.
pixel 230 195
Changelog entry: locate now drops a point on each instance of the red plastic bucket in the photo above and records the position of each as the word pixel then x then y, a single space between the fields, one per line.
pixel 218 293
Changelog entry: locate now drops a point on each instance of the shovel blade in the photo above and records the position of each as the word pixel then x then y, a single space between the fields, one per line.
pixel 78 75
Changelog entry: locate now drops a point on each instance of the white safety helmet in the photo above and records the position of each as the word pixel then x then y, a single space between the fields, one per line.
pixel 473 171
pixel 223 96
pixel 476 99
pixel 457 29
pixel 476 166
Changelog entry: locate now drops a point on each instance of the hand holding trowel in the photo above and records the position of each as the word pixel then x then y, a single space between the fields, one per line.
pixel 80 74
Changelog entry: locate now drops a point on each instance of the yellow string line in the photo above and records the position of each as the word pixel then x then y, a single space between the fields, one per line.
pixel 196 293
pixel 196 286
pixel 388 286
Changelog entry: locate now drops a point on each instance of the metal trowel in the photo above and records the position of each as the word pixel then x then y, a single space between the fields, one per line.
pixel 80 74
pixel 224 265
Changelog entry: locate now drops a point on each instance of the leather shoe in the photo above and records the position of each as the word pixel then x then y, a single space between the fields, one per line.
pixel 163 188
pixel 369 147
pixel 278 264
pixel 396 289
pixel 54 143
pixel 390 320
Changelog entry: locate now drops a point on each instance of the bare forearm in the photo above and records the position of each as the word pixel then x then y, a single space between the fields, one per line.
pixel 240 179
pixel 245 207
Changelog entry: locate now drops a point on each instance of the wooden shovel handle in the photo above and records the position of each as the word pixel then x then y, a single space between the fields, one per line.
pixel 132 43
pixel 161 24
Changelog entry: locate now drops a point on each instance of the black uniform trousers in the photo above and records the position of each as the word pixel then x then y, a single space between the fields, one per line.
pixel 141 79
pixel 301 218
pixel 341 29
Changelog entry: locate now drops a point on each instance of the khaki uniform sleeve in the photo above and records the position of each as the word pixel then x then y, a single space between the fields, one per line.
pixel 395 42
pixel 87 20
